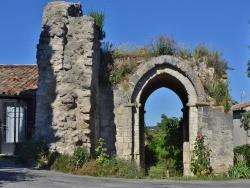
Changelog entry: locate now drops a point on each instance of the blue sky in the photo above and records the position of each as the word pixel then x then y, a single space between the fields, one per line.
pixel 219 24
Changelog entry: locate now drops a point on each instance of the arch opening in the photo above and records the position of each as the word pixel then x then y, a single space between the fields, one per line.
pixel 170 82
pixel 160 77
pixel 163 132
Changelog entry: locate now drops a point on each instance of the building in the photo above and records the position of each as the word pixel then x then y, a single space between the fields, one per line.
pixel 18 84
pixel 240 135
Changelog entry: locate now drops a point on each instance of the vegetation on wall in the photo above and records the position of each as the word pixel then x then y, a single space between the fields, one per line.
pixel 220 94
pixel 99 17
pixel 120 62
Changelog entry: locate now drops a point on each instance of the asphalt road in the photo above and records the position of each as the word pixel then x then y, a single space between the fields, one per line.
pixel 12 175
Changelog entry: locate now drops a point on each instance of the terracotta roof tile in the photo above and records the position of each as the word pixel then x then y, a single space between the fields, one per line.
pixel 241 105
pixel 15 79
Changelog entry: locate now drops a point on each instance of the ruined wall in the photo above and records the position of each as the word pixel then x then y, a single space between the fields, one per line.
pixel 216 125
pixel 74 108
pixel 68 92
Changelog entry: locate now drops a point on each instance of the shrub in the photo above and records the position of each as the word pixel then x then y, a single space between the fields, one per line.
pixel 239 170
pixel 245 120
pixel 101 152
pixel 200 161
pixel 184 53
pixel 33 152
pixel 80 156
pixel 122 168
pixel 120 70
pixel 91 168
pixel 63 163
pixel 165 145
pixel 214 59
pixel 99 17
pixel 245 151
pixel 162 45
pixel 220 94
pixel 200 52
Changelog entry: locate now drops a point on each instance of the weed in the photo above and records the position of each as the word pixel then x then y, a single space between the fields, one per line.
pixel 91 168
pixel 239 170
pixel 99 17
pixel 162 45
pixel 63 164
pixel 220 94
pixel 80 156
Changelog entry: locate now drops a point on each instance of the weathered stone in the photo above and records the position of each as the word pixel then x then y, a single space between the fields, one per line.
pixel 65 36
pixel 72 105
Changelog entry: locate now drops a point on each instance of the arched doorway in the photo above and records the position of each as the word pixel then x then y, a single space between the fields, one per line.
pixel 170 73
pixel 163 133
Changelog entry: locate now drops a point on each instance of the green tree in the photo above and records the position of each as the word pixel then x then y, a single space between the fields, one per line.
pixel 166 142
pixel 245 120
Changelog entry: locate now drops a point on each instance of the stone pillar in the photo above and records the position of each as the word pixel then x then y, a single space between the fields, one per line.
pixel 125 128
pixel 186 146
pixel 193 129
pixel 68 62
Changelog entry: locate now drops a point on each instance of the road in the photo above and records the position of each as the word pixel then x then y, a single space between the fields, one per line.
pixel 13 176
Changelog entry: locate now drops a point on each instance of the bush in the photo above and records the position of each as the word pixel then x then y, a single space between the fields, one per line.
pixel 245 151
pixel 122 168
pixel 245 121
pixel 239 170
pixel 80 156
pixel 162 45
pixel 200 52
pixel 63 163
pixel 99 20
pixel 213 58
pixel 91 168
pixel 33 152
pixel 220 94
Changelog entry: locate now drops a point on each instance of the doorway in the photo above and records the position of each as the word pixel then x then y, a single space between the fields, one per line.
pixel 13 120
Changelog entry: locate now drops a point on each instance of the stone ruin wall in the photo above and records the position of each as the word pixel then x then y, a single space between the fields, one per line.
pixel 68 92
pixel 73 107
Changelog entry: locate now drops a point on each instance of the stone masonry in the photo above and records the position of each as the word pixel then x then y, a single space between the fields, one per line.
pixel 74 106
pixel 67 96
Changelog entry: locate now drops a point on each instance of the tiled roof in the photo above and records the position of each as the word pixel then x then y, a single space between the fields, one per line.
pixel 240 106
pixel 15 79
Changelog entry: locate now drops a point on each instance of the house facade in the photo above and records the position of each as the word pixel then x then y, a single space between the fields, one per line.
pixel 240 135
pixel 18 85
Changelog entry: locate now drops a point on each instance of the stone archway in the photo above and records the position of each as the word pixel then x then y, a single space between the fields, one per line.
pixel 72 106
pixel 169 72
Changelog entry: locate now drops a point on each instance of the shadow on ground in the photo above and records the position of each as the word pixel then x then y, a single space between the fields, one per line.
pixel 12 172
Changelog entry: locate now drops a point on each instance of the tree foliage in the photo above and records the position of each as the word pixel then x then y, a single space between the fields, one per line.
pixel 245 120
pixel 165 142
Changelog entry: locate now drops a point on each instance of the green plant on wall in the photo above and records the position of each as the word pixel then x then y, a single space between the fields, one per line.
pixel 162 45
pixel 99 17
pixel 220 94
pixel 200 161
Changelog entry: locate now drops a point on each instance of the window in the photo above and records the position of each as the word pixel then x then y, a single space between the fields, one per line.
pixel 15 121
